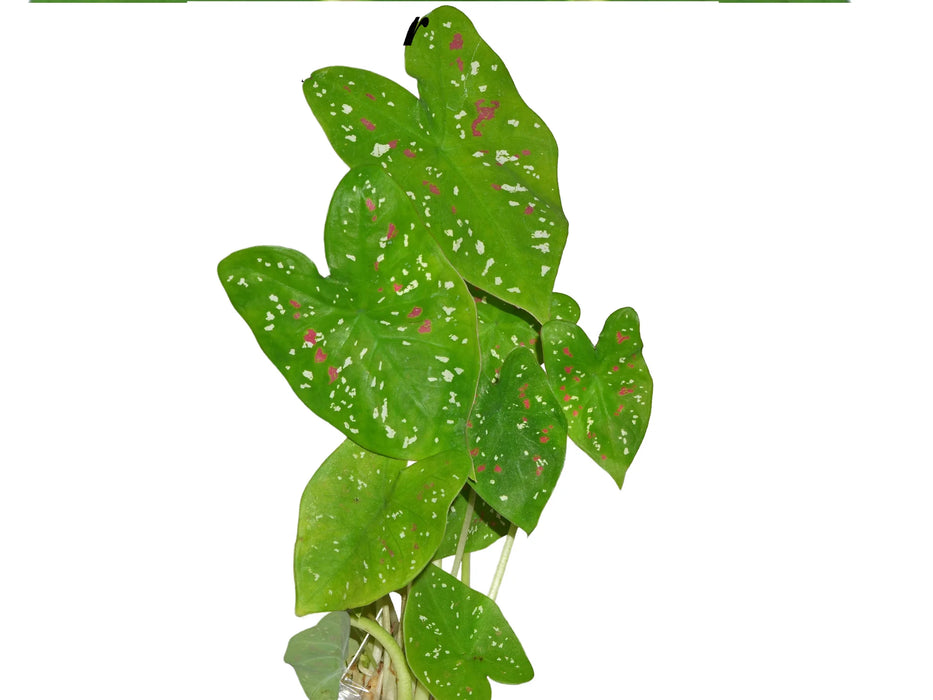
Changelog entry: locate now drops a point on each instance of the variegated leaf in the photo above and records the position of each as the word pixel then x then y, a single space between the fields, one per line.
pixel 385 349
pixel 486 525
pixel 479 163
pixel 605 391
pixel 456 637
pixel 502 328
pixel 518 438
pixel 564 308
pixel 368 524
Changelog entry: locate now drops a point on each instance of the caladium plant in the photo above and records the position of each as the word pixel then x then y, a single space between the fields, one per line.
pixel 438 346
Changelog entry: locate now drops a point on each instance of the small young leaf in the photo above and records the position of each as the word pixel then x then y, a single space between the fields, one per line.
pixel 456 637
pixel 480 165
pixel 518 438
pixel 385 349
pixel 319 654
pixel 368 524
pixel 486 525
pixel 605 391
pixel 564 308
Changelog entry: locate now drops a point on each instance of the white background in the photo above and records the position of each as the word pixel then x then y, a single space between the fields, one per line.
pixel 755 180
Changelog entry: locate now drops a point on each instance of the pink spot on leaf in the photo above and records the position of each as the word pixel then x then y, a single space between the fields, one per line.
pixel 529 210
pixel 481 468
pixel 457 42
pixel 459 64
pixel 483 114
pixel 320 355
pixel 544 438
pixel 497 469
pixel 370 96
pixel 370 204
pixel 311 336
pixel 625 390
pixel 568 369
pixel 496 186
pixel 391 233
pixel 567 352
pixel 332 373
pixel 409 153
pixel 415 312
pixel 393 143
pixel 621 338
pixel 294 303
pixel 396 286
pixel 296 315
pixel 425 327
pixel 368 124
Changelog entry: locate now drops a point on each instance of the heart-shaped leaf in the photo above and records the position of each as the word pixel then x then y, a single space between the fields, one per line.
pixel 319 654
pixel 518 438
pixel 456 637
pixel 486 525
pixel 385 348
pixel 479 164
pixel 605 391
pixel 368 524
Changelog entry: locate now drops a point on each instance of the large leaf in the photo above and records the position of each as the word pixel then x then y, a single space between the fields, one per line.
pixel 479 164
pixel 486 525
pixel 456 637
pixel 605 391
pixel 518 438
pixel 385 348
pixel 319 654
pixel 368 524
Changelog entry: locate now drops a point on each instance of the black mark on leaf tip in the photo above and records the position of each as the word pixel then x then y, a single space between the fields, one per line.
pixel 418 22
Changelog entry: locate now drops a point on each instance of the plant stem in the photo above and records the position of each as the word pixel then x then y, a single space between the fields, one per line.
pixel 395 653
pixel 465 570
pixel 464 531
pixel 503 561
pixel 421 693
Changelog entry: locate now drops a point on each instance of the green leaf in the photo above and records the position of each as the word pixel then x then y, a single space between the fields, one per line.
pixel 564 308
pixel 368 524
pixel 478 163
pixel 486 525
pixel 502 328
pixel 385 348
pixel 319 654
pixel 605 391
pixel 456 637
pixel 518 438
